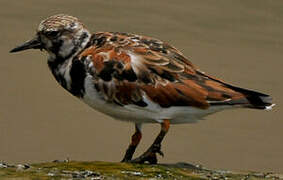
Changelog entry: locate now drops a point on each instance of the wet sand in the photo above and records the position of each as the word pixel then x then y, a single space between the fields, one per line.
pixel 239 41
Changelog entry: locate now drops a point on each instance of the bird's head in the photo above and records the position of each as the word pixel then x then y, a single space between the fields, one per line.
pixel 60 35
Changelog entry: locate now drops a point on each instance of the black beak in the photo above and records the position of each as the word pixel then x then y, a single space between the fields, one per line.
pixel 31 44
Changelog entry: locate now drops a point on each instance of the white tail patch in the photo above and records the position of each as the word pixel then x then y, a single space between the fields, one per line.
pixel 268 108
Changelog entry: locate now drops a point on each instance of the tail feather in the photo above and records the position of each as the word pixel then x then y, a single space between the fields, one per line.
pixel 256 100
pixel 252 99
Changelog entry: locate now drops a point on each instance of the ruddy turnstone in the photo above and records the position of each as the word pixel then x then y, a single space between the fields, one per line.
pixel 134 78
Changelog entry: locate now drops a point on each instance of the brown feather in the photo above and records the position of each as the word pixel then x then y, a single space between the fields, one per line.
pixel 158 70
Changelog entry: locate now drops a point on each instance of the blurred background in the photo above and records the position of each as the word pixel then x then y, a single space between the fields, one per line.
pixel 239 41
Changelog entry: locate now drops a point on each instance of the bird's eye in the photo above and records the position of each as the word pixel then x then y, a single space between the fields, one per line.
pixel 52 33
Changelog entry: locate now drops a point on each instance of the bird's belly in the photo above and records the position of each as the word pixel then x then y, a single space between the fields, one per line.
pixel 95 100
pixel 152 113
pixel 116 111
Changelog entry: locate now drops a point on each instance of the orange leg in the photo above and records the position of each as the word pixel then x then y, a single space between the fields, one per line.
pixel 150 154
pixel 134 143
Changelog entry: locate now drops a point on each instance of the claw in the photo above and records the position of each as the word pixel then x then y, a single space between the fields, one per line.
pixel 161 153
pixel 152 159
pixel 156 148
pixel 149 156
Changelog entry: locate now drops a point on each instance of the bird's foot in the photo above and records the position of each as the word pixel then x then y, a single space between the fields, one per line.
pixel 149 156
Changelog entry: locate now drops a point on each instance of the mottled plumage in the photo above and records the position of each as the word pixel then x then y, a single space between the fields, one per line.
pixel 126 67
pixel 134 78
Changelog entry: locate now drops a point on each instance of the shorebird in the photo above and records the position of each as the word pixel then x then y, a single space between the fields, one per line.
pixel 134 78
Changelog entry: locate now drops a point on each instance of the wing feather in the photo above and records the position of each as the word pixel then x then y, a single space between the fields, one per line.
pixel 127 68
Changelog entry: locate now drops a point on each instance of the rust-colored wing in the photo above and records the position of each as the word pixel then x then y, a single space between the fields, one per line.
pixel 127 68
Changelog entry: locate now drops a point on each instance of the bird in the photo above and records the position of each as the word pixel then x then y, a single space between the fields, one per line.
pixel 135 78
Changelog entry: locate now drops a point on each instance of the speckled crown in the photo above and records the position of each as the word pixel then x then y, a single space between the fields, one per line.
pixel 59 21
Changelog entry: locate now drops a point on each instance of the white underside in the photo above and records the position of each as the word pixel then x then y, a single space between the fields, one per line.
pixel 152 113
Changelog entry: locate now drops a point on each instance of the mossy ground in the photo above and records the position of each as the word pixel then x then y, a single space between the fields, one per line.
pixel 110 170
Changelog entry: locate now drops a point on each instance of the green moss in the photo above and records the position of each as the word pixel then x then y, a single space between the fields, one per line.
pixel 109 170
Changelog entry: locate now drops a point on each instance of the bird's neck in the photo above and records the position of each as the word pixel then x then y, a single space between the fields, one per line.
pixel 61 66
